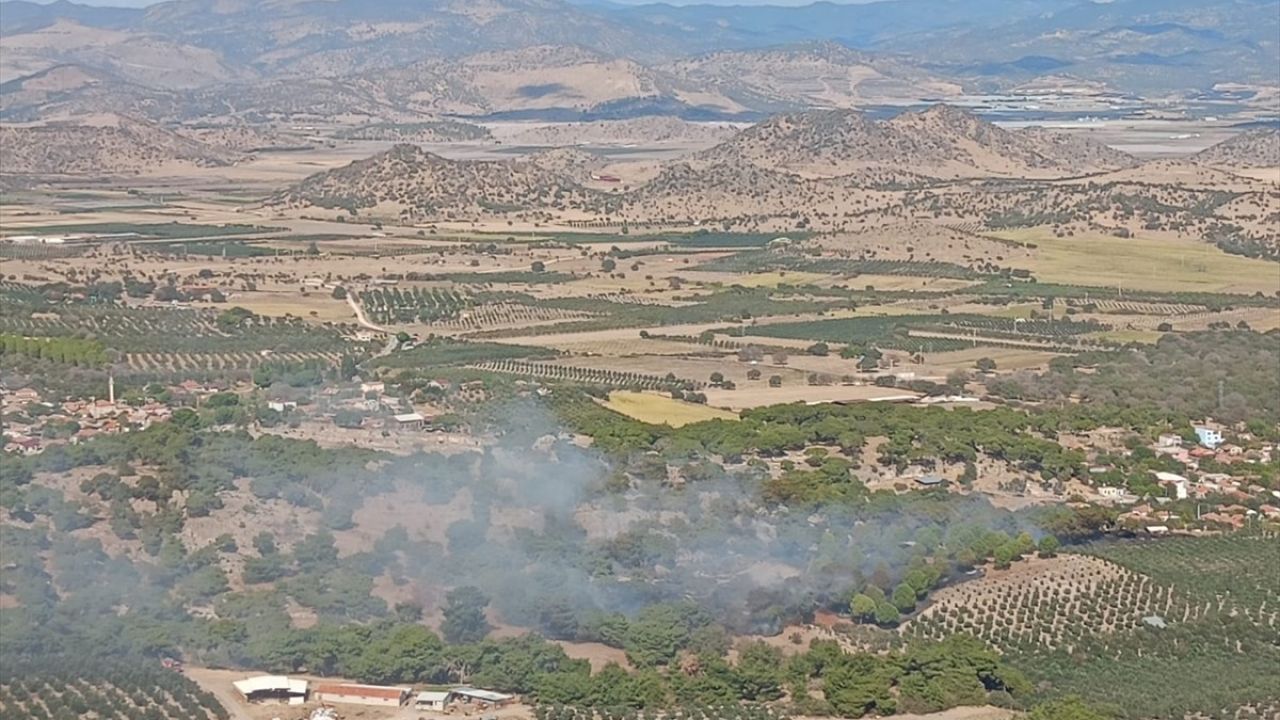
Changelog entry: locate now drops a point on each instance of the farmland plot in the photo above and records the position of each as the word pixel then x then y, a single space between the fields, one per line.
pixel 123 691
pixel 592 376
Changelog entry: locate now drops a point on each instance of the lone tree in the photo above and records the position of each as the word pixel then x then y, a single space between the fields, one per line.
pixel 464 620
pixel 538 266
pixel 985 365
pixel 1048 546
pixel 775 381
pixel 863 608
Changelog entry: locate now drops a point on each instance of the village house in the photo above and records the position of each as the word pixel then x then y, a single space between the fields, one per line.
pixel 102 408
pixel 1209 437
pixel 23 445
pixel 25 395
pixel 411 421
pixel 1235 521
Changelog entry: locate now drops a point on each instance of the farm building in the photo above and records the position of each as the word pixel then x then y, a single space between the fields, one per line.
pixel 353 694
pixel 432 700
pixel 480 698
pixel 411 421
pixel 272 687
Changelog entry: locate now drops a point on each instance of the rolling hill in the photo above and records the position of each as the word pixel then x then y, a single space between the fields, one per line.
pixel 1253 149
pixel 941 142
pixel 413 183
pixel 113 145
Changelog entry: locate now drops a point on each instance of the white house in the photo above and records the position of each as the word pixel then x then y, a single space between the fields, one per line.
pixel 411 421
pixel 1208 436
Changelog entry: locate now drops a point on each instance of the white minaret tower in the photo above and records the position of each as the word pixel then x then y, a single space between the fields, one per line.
pixel 111 389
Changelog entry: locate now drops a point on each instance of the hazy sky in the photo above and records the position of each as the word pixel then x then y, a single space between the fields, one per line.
pixel 144 3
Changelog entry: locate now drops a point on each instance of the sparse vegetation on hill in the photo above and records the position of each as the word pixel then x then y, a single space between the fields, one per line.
pixel 942 141
pixel 1253 149
pixel 121 146
pixel 412 184
pixel 432 131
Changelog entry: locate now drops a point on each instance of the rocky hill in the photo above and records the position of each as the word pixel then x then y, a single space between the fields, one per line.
pixel 941 142
pixel 415 184
pixel 1253 149
pixel 113 145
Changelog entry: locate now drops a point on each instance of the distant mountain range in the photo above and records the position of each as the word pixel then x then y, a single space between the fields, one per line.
pixel 653 58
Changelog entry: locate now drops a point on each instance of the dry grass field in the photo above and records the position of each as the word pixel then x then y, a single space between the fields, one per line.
pixel 662 410
pixel 1143 263
pixel 316 306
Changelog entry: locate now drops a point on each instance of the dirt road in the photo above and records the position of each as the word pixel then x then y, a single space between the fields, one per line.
pixel 392 342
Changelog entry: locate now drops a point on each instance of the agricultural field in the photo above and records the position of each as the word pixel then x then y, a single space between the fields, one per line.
pixel 1146 612
pixel 662 410
pixel 156 231
pixel 126 691
pixel 1141 263
pixel 695 373
pixel 940 332
pixel 585 376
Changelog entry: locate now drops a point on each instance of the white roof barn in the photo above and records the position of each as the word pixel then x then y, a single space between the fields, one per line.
pixel 432 699
pixel 279 686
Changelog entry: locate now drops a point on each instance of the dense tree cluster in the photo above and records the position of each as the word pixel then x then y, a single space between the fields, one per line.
pixel 1228 375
